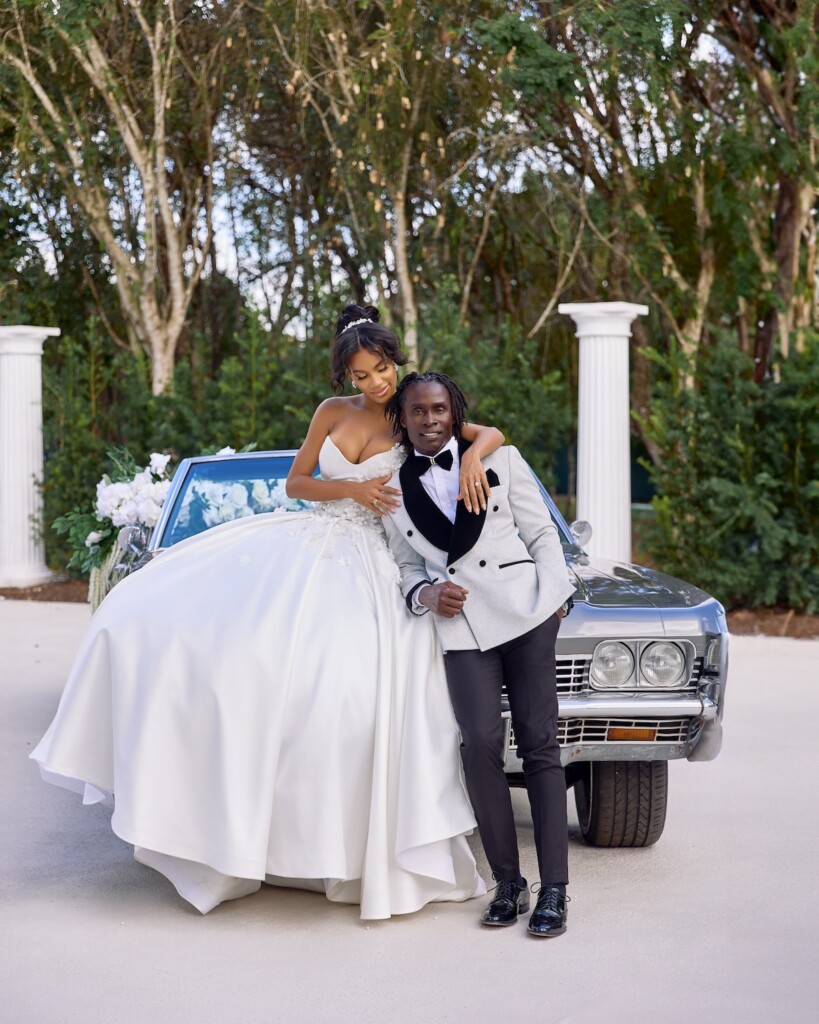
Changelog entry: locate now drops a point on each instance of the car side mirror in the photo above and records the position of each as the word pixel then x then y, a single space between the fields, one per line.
pixel 132 539
pixel 581 531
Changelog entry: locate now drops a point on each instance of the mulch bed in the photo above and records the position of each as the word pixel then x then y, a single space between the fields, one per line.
pixel 743 621
pixel 59 590
pixel 773 622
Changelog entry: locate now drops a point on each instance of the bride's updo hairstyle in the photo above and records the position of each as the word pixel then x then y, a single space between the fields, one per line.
pixel 358 328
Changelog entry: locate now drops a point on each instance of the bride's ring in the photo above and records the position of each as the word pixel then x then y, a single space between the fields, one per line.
pixel 375 503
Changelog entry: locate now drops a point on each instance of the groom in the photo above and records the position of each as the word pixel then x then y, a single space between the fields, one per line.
pixel 497 584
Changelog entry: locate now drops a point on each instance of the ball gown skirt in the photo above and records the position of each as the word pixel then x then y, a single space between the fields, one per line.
pixel 258 703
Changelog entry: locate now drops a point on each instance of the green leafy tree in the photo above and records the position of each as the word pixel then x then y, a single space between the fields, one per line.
pixel 122 104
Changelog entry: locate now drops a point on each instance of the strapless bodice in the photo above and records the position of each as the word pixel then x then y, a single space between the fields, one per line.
pixel 334 465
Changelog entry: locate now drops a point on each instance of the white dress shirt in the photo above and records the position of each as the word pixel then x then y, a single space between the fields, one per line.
pixel 442 484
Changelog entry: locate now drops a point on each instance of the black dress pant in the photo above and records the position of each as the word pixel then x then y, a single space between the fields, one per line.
pixel 527 665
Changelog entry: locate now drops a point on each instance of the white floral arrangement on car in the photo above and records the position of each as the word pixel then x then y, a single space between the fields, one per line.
pixel 131 495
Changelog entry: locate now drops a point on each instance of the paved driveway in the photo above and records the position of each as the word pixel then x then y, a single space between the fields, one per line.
pixel 717 923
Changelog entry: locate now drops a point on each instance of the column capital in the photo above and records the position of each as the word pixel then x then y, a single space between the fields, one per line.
pixel 24 339
pixel 603 318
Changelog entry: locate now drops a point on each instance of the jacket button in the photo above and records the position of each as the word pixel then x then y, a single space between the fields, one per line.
pixel 409 533
pixel 482 563
pixel 451 572
pixel 494 508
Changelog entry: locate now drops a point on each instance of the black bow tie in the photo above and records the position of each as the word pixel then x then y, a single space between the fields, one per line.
pixel 423 462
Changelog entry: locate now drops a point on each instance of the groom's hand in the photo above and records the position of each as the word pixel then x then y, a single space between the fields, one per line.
pixel 444 599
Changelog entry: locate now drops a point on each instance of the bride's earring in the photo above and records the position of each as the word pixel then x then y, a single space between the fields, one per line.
pixel 352 381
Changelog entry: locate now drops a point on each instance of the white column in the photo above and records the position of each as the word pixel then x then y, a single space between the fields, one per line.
pixel 603 447
pixel 22 554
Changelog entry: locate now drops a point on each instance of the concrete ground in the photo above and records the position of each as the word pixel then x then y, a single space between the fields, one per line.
pixel 716 923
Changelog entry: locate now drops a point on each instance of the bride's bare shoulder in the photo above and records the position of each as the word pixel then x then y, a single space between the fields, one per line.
pixel 331 410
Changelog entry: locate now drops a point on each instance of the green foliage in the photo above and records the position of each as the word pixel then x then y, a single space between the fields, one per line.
pixel 499 374
pixel 79 525
pixel 98 397
pixel 738 496
pixel 673 142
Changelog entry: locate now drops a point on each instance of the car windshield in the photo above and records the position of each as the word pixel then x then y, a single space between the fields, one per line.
pixel 216 491
pixel 563 531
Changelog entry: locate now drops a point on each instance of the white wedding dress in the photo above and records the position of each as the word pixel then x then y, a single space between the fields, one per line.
pixel 263 706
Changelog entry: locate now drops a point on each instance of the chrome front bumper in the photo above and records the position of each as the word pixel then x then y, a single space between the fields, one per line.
pixel 687 726
pixel 602 705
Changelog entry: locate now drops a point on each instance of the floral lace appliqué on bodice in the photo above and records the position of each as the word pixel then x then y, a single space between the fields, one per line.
pixel 345 515
pixel 335 466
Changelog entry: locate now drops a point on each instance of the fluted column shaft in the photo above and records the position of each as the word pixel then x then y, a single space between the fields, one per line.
pixel 22 555
pixel 603 434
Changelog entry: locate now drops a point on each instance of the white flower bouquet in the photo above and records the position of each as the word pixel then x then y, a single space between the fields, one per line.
pixel 130 496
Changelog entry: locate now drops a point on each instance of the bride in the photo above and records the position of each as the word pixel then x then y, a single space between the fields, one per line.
pixel 257 703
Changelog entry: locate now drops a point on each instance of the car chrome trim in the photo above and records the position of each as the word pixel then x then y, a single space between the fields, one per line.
pixel 647 705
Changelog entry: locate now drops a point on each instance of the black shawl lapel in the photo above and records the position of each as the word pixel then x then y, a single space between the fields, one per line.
pixel 421 509
pixel 468 525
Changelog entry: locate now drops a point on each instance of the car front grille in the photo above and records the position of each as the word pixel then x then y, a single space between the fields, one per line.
pixel 573 677
pixel 573 731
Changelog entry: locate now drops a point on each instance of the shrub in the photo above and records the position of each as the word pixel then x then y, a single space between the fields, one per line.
pixel 737 494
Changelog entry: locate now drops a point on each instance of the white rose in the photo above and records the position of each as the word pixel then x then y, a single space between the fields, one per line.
pixel 159 463
pixel 160 490
pixel 142 482
pixel 261 494
pixel 226 451
pixel 126 514
pixel 93 538
pixel 237 494
pixel 110 497
pixel 148 511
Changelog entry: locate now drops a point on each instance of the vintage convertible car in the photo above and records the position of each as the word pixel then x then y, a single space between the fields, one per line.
pixel 641 660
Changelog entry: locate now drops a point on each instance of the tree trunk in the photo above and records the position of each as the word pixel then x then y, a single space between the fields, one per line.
pixel 791 219
pixel 402 272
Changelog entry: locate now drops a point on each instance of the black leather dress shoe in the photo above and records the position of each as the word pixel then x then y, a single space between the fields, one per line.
pixel 509 900
pixel 550 913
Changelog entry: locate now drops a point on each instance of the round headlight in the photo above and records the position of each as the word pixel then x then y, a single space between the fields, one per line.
pixel 662 664
pixel 612 664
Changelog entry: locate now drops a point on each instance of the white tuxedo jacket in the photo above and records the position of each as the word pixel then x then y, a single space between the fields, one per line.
pixel 509 557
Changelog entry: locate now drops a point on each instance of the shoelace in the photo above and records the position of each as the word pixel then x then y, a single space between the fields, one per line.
pixel 508 891
pixel 549 898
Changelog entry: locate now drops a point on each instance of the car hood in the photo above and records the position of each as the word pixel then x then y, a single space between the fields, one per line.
pixel 608 584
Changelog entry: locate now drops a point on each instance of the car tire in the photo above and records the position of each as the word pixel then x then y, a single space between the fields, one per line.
pixel 622 803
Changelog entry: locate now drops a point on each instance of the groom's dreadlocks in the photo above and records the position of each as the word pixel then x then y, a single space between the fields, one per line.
pixel 395 405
